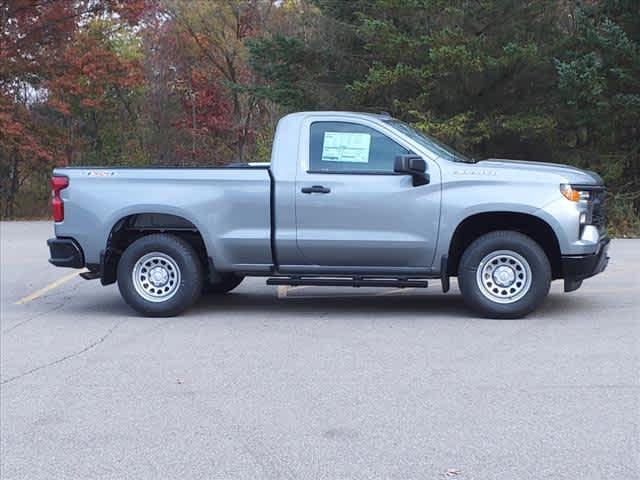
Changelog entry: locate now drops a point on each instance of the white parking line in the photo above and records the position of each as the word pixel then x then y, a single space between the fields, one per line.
pixel 393 291
pixel 47 289
pixel 283 290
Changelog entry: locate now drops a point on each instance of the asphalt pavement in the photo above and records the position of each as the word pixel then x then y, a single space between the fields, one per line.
pixel 314 383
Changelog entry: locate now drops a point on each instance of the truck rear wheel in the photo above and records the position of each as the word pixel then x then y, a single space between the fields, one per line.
pixel 160 275
pixel 504 274
pixel 226 283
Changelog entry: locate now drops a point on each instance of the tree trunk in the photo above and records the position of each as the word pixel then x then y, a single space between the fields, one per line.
pixel 13 188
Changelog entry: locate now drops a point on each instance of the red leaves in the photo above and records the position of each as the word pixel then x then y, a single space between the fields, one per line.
pixel 131 11
pixel 91 71
pixel 212 107
pixel 19 135
pixel 60 106
pixel 50 56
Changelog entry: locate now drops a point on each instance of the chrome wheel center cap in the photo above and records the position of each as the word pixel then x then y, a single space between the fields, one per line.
pixel 158 276
pixel 504 276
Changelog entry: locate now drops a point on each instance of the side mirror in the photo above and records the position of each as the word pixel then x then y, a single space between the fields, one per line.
pixel 412 165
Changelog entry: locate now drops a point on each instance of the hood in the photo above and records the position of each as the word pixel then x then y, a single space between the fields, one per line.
pixel 570 174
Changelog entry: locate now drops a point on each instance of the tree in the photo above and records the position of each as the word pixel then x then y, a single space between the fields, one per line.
pixel 203 82
pixel 542 80
pixel 598 74
pixel 33 40
pixel 95 91
pixel 212 36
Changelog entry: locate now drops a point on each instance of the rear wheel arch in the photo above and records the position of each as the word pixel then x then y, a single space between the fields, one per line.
pixel 130 228
pixel 479 224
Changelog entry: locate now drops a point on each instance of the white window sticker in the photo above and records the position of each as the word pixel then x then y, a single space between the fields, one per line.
pixel 346 147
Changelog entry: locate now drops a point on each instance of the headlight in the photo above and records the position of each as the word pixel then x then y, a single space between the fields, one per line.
pixel 574 194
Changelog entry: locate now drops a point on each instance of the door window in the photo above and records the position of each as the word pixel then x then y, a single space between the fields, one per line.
pixel 342 147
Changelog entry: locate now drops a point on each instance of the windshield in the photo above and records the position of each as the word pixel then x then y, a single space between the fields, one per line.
pixel 426 141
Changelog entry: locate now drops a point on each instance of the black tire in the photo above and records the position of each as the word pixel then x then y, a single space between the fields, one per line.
pixel 184 293
pixel 473 284
pixel 227 282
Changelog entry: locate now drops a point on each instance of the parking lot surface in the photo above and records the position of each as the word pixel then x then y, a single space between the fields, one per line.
pixel 319 383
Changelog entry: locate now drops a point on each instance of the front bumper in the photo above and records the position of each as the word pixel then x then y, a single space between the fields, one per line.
pixel 576 268
pixel 65 252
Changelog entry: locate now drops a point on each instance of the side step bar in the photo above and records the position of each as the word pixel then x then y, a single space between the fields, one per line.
pixel 348 282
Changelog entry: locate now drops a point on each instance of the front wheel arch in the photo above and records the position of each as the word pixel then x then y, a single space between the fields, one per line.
pixel 480 224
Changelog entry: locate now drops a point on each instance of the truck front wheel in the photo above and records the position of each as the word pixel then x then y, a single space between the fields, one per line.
pixel 504 274
pixel 160 275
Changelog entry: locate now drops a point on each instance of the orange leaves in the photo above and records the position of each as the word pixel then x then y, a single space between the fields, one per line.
pixel 47 49
pixel 92 72
pixel 130 11
pixel 67 73
pixel 19 135
pixel 60 106
pixel 90 103
pixel 9 128
pixel 207 109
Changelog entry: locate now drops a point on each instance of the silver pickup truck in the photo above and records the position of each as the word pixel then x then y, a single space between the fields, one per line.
pixel 349 199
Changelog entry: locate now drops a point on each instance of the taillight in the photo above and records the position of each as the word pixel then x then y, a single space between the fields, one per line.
pixel 57 205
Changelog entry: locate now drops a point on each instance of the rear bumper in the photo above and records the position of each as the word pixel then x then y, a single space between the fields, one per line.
pixel 576 268
pixel 65 252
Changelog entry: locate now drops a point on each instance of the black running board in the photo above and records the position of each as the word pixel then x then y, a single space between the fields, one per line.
pixel 348 282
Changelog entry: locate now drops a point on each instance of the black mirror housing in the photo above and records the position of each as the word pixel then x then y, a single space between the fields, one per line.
pixel 413 165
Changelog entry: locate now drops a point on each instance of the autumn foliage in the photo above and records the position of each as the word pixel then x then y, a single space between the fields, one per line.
pixel 203 82
pixel 51 63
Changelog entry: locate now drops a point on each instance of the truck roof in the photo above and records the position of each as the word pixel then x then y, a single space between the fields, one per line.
pixel 378 116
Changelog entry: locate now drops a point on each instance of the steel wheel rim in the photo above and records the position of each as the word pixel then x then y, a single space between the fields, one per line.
pixel 156 277
pixel 504 276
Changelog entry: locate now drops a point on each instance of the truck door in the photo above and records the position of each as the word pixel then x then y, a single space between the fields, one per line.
pixel 352 210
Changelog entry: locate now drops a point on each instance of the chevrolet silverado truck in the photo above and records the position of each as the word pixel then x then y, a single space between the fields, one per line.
pixel 348 199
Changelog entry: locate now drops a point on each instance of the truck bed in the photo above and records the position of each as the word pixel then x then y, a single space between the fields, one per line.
pixel 230 206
